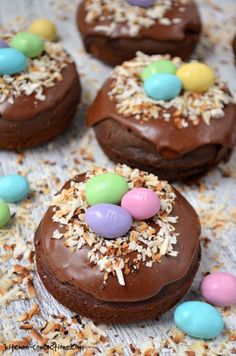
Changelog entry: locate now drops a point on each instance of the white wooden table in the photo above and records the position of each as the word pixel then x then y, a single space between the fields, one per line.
pixel 47 167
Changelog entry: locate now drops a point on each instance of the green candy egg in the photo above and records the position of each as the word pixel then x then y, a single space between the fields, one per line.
pixel 106 188
pixel 160 66
pixel 28 43
pixel 4 214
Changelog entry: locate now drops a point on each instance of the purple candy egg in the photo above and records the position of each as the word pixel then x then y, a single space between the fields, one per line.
pixel 108 220
pixel 3 44
pixel 141 3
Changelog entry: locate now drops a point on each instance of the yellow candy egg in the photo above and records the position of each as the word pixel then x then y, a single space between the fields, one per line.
pixel 196 77
pixel 44 28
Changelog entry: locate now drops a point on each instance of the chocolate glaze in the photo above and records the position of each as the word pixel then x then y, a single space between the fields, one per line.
pixel 29 122
pixel 107 312
pixel 174 32
pixel 176 39
pixel 170 141
pixel 72 268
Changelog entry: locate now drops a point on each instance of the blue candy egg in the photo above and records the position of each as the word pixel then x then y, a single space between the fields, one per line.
pixel 108 220
pixel 198 319
pixel 13 188
pixel 12 61
pixel 163 86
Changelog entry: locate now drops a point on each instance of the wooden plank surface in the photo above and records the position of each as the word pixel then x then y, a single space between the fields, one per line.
pixel 47 167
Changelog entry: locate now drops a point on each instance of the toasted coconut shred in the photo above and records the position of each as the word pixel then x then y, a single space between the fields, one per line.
pixel 41 73
pixel 148 240
pixel 131 100
pixel 106 14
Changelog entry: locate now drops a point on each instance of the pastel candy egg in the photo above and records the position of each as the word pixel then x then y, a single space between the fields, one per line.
pixel 198 319
pixel 142 203
pixel 4 214
pixel 141 3
pixel 160 66
pixel 196 77
pixel 13 188
pixel 28 43
pixel 106 188
pixel 219 288
pixel 163 86
pixel 108 220
pixel 12 61
pixel 3 44
pixel 44 28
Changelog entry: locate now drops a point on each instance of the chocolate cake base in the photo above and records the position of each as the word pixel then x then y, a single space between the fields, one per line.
pixel 122 145
pixel 40 126
pixel 115 51
pixel 117 312
pixel 234 47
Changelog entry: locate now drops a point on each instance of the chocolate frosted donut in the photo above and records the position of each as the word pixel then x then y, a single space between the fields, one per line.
pixel 138 276
pixel 114 31
pixel 40 102
pixel 175 139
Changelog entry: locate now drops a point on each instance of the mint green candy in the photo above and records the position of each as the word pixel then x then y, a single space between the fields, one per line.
pixel 28 43
pixel 106 188
pixel 160 66
pixel 4 214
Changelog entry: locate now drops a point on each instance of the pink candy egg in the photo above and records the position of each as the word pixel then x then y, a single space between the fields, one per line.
pixel 142 203
pixel 219 288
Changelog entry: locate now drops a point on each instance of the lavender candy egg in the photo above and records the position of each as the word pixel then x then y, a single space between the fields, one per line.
pixel 141 3
pixel 108 220
pixel 3 44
